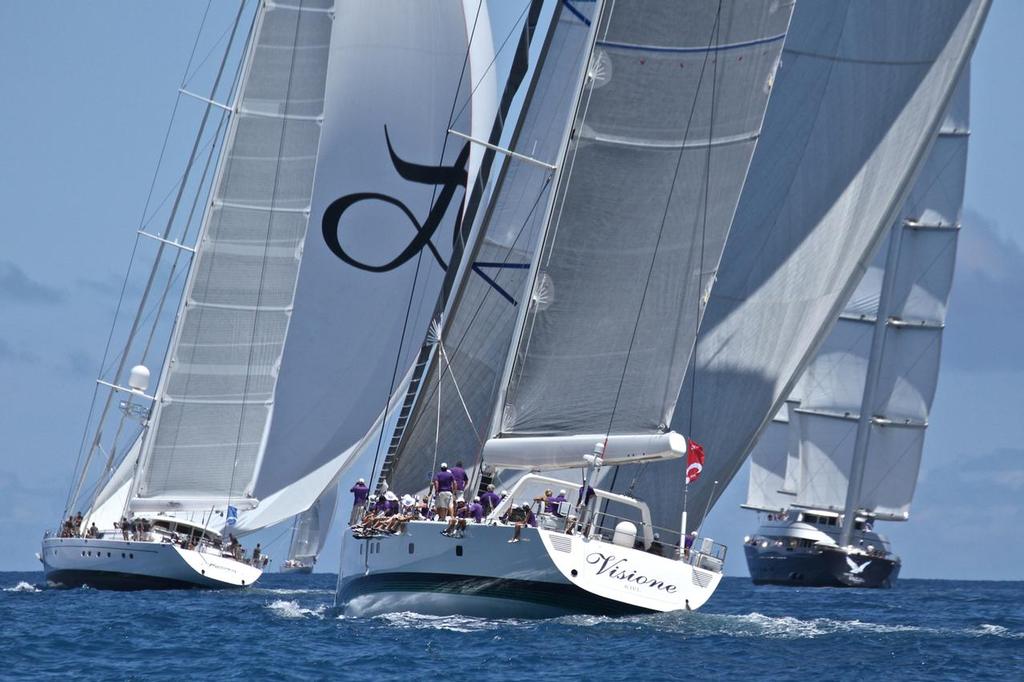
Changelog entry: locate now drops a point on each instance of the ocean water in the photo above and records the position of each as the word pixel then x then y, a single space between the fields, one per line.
pixel 286 628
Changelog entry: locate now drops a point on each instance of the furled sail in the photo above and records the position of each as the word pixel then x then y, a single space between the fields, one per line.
pixel 311 528
pixel 481 316
pixel 920 266
pixel 856 105
pixel 668 118
pixel 378 82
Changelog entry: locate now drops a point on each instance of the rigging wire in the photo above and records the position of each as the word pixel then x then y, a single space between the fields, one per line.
pixel 714 40
pixel 80 475
pixel 419 259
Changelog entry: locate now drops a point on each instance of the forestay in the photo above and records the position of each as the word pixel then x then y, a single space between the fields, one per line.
pixel 668 118
pixel 855 108
pixel 922 274
pixel 481 315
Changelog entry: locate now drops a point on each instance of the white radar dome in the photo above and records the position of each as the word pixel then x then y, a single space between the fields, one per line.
pixel 138 380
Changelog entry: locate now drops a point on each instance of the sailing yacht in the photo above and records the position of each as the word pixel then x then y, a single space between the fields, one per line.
pixel 309 531
pixel 819 484
pixel 574 359
pixel 247 426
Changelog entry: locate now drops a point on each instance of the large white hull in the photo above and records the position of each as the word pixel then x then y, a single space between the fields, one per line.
pixel 126 565
pixel 546 574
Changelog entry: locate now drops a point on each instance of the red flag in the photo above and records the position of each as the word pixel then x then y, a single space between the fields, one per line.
pixel 694 462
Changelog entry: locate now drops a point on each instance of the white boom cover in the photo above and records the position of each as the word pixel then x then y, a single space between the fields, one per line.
pixel 856 105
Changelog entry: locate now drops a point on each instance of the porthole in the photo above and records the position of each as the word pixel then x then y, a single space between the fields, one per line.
pixel 360 550
pixel 131 556
pixel 574 573
pixel 458 550
pixel 83 552
pixel 412 548
pixel 108 555
pixel 122 555
pixel 378 548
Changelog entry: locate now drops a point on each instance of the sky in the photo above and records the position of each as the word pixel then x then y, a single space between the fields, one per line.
pixel 87 93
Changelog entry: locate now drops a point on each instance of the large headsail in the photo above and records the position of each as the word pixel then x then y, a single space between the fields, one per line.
pixel 857 102
pixel 216 392
pixel 667 121
pixel 918 266
pixel 311 528
pixel 481 314
pixel 774 457
pixel 338 87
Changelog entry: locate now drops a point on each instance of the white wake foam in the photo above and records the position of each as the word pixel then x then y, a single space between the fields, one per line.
pixel 291 609
pixel 22 587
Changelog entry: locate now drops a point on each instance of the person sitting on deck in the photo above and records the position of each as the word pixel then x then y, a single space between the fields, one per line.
pixel 476 510
pixel 93 531
pixel 523 518
pixel 391 503
pixel 461 477
pixel 444 483
pixel 489 499
pixel 457 523
pixel 78 523
pixel 359 494
pixel 423 507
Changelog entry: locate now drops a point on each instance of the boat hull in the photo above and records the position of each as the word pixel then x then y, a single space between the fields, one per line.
pixel 824 567
pixel 483 574
pixel 302 570
pixel 139 565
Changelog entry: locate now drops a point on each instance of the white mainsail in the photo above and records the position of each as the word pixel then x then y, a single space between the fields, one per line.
pixel 668 119
pixel 242 415
pixel 919 264
pixel 856 105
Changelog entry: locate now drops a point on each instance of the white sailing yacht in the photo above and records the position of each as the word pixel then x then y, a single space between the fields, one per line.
pixel 263 397
pixel 309 532
pixel 577 362
pixel 812 470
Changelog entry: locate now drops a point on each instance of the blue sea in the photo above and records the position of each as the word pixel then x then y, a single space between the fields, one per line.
pixel 286 628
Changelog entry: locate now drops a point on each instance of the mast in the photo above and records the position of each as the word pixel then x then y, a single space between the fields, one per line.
pixel 867 406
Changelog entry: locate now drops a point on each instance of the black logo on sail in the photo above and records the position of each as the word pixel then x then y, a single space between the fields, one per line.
pixel 448 178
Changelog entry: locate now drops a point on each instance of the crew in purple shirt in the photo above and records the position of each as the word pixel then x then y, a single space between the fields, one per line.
pixel 444 482
pixel 461 478
pixel 359 494
pixel 476 510
pixel 489 499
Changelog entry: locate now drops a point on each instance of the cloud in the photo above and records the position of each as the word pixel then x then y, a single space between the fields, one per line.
pixel 10 354
pixel 109 287
pixel 984 328
pixel 975 503
pixel 18 287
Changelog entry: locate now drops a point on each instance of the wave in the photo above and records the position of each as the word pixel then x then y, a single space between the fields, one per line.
pixel 22 586
pixel 291 609
pixel 287 591
pixel 416 621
